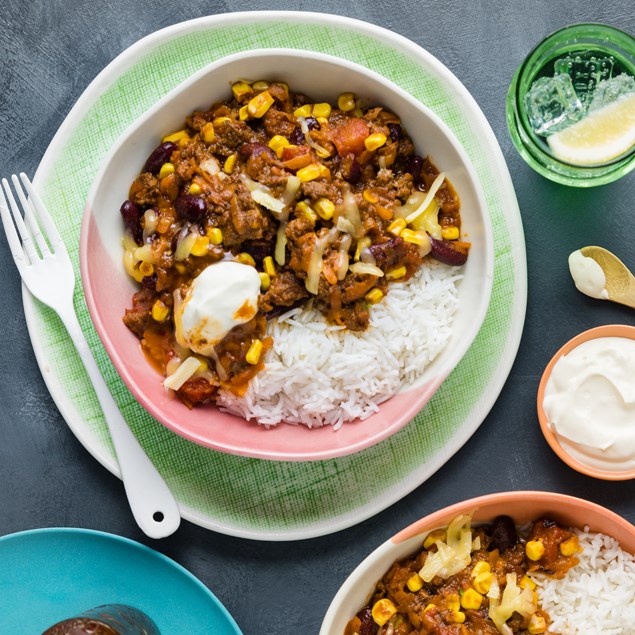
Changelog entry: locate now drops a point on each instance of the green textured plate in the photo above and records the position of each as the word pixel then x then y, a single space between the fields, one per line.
pixel 250 497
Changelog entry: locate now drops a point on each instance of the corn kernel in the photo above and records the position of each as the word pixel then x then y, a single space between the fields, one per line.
pixel 241 89
pixel 259 104
pixel 429 607
pixel 375 141
pixel 324 171
pixel 482 566
pixel 309 173
pixel 358 112
pixel 219 120
pixel 534 549
pixel 458 617
pixel 322 152
pixel 260 85
pixel 432 537
pixel 195 189
pixel 384 212
pixel 269 266
pixel 536 625
pixel 180 267
pixel 215 235
pixel 415 237
pixel 374 296
pixel 230 162
pixel 321 110
pixel 324 208
pixel 395 274
pixel 370 196
pixel 362 244
pixel 568 547
pixel 382 611
pixel 166 170
pixel 202 364
pixel 277 143
pixel 200 246
pixel 245 259
pixel 397 226
pixel 146 269
pixel 303 111
pixel 175 137
pixel 346 102
pixel 265 281
pixel 243 114
pixel 453 602
pixel 160 312
pixel 254 353
pixel 526 582
pixel 471 599
pixel 483 581
pixel 307 210
pixel 322 120
pixel 415 583
pixel 450 233
pixel 207 132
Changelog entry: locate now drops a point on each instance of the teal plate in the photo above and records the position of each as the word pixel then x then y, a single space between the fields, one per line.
pixel 47 575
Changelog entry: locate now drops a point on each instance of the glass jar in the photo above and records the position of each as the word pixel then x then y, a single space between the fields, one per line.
pixel 604 42
pixel 109 619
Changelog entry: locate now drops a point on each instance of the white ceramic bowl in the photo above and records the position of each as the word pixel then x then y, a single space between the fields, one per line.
pixel 109 290
pixel 523 507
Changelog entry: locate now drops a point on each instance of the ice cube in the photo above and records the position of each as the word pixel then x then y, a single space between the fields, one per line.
pixel 586 70
pixel 552 104
pixel 610 90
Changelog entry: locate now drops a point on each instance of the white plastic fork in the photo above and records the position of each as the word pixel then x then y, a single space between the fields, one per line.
pixel 47 272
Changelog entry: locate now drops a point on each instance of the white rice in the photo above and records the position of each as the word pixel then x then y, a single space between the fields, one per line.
pixel 597 596
pixel 318 374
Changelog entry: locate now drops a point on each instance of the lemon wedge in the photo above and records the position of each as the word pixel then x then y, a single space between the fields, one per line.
pixel 600 137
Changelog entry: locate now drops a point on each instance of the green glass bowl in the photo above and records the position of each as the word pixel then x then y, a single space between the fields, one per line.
pixel 570 40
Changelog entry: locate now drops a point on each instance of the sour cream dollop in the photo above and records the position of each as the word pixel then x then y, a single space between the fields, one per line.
pixel 590 403
pixel 222 296
pixel 588 276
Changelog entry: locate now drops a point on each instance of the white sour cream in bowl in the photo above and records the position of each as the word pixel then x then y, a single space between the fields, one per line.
pixel 586 402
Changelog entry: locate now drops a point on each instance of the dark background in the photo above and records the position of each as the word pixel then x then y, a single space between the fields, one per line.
pixel 50 51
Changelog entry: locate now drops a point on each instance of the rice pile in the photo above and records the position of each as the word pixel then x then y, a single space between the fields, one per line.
pixel 597 596
pixel 318 374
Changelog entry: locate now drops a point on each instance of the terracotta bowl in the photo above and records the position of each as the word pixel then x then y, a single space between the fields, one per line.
pixel 610 330
pixel 523 507
pixel 109 290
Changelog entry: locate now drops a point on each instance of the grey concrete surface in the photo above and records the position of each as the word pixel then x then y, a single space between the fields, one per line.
pixel 49 52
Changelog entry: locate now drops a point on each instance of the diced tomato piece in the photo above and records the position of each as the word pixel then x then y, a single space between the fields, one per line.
pixel 291 152
pixel 296 157
pixel 350 137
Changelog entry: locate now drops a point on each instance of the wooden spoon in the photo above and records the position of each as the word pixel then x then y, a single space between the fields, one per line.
pixel 620 282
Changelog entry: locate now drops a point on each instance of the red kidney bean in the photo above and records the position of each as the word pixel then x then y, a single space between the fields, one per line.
pixel 395 131
pixel 414 167
pixel 158 157
pixel 190 207
pixel 351 169
pixel 504 534
pixel 297 137
pixel 448 252
pixel 253 149
pixel 150 281
pixel 131 214
pixel 368 626
pixel 312 123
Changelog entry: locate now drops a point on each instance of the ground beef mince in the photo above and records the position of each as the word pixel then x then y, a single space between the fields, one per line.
pixel 330 203
pixel 469 580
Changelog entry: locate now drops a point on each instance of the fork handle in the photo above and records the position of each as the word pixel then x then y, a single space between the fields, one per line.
pixel 153 505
